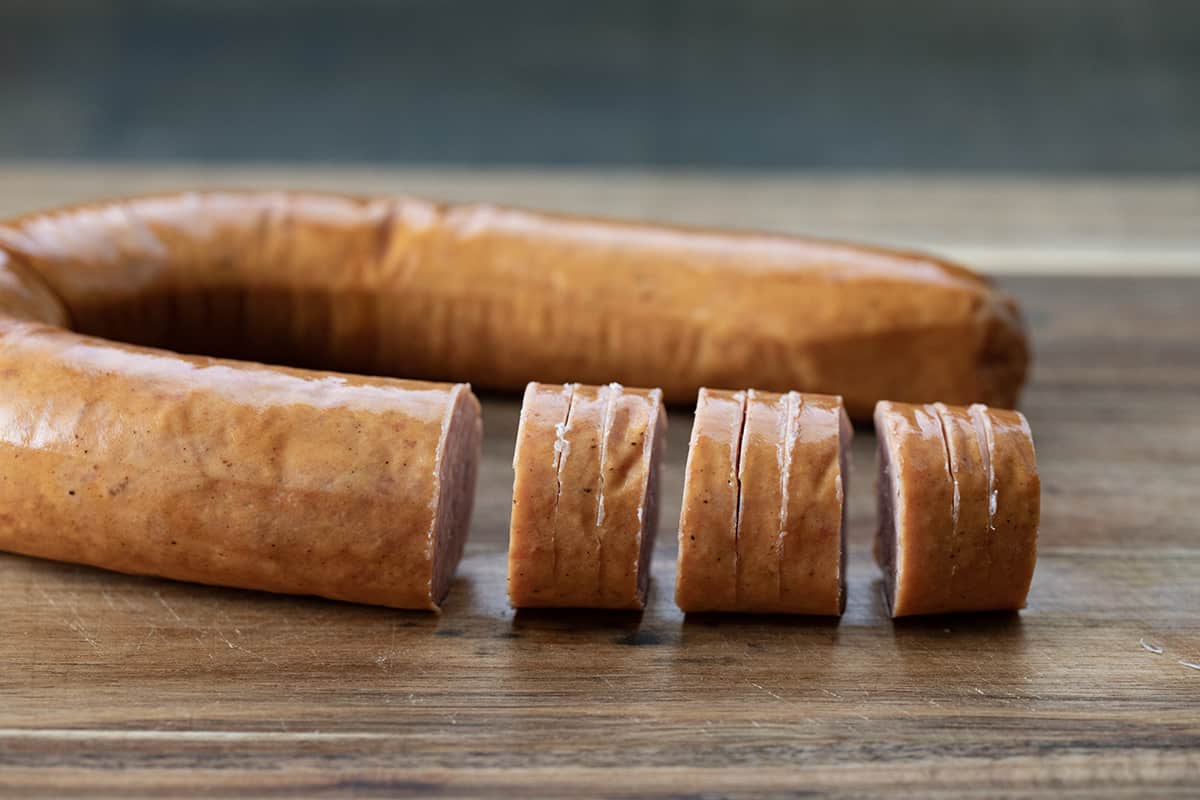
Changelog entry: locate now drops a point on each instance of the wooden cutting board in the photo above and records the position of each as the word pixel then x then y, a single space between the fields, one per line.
pixel 126 686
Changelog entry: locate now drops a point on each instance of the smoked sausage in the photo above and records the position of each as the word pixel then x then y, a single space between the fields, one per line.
pixel 219 469
pixel 763 522
pixel 499 296
pixel 232 473
pixel 959 505
pixel 585 496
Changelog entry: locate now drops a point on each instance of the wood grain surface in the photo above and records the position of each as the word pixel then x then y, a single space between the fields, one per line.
pixel 124 686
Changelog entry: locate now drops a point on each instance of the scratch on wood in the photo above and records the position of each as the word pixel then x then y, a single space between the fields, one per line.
pixel 149 635
pixel 232 646
pixel 167 606
pixel 768 691
pixel 77 625
pixel 206 648
pixel 1150 648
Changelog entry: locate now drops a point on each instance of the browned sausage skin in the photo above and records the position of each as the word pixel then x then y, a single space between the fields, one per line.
pixel 585 505
pixel 762 528
pixel 223 472
pixel 959 503
pixel 424 290
pixel 232 473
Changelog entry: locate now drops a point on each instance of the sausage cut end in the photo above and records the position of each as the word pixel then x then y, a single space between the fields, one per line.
pixel 458 469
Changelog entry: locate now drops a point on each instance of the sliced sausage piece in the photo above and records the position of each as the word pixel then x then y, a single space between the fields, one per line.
pixel 577 538
pixel 813 566
pixel 761 476
pixel 590 547
pixel 634 446
pixel 535 492
pixel 969 556
pixel 765 484
pixel 285 480
pixel 946 543
pixel 706 573
pixel 1014 507
pixel 916 499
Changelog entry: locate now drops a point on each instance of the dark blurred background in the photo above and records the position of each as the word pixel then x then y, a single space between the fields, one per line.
pixel 1059 86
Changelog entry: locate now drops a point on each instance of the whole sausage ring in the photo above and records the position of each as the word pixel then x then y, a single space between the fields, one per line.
pixel 117 452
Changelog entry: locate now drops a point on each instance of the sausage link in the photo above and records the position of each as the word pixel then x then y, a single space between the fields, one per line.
pixel 496 296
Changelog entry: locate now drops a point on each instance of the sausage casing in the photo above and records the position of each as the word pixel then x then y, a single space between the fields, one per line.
pixel 230 473
pixel 498 296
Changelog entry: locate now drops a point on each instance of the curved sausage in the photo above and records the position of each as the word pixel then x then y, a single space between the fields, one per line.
pixel 585 507
pixel 144 461
pixel 762 527
pixel 496 296
pixel 946 541
pixel 230 473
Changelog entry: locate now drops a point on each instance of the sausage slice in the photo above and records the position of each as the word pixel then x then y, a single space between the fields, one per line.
pixel 1014 507
pixel 531 549
pixel 765 489
pixel 945 542
pixel 597 454
pixel 577 532
pixel 634 446
pixel 706 574
pixel 761 477
pixel 813 565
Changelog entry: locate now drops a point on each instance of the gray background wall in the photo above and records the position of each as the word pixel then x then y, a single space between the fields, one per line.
pixel 1108 86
